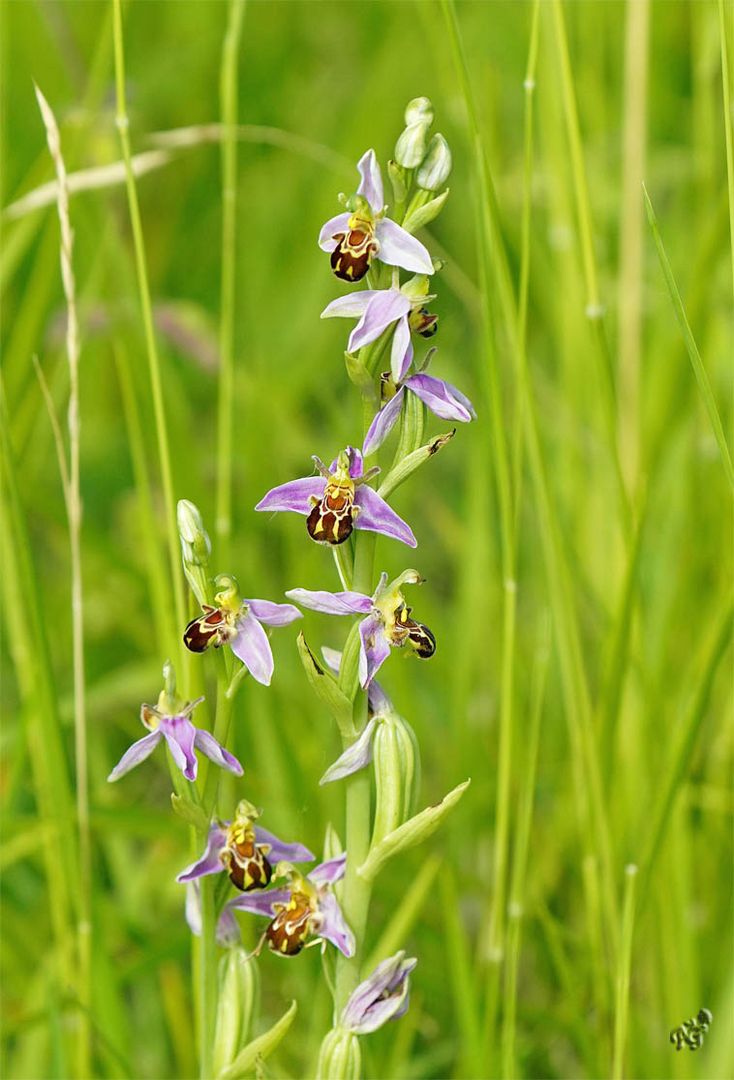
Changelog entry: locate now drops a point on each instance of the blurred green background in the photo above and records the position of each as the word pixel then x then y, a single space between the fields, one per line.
pixel 648 587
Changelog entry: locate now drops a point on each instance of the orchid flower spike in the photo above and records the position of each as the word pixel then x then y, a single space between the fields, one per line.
pixel 379 309
pixel 306 909
pixel 238 623
pixel 384 996
pixel 362 234
pixel 387 623
pixel 337 501
pixel 169 720
pixel 246 851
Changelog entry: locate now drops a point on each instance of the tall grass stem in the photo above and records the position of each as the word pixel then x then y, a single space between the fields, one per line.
pixel 228 103
pixel 74 515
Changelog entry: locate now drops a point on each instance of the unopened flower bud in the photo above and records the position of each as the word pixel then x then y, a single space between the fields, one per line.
pixel 435 167
pixel 397 774
pixel 195 548
pixel 419 111
pixel 410 148
pixel 340 1055
pixel 239 991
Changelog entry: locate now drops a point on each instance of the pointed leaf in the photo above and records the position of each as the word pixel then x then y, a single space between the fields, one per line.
pixel 261 1047
pixel 424 215
pixel 412 832
pixel 326 688
pixel 412 462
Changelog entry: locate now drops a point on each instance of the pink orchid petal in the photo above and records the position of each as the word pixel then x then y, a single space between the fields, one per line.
pixel 399 248
pixel 338 224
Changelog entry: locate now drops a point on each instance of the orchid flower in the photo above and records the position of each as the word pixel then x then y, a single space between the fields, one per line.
pixel 355 237
pixel 245 850
pixel 307 908
pixel 387 623
pixel 443 399
pixel 337 501
pixel 378 309
pixel 237 623
pixel 384 996
pixel 169 720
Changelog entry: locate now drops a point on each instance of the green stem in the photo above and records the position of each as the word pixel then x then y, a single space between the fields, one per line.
pixel 147 314
pixel 356 892
pixel 228 100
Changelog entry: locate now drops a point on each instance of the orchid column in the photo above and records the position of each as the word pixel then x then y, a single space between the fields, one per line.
pixel 345 512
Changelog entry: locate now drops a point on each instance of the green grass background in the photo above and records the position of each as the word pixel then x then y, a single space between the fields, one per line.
pixel 644 593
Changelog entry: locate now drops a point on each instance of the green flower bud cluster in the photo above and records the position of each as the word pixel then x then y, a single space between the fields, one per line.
pixel 420 165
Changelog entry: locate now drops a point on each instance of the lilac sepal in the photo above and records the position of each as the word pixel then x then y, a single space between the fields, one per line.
pixel 443 399
pixel 294 496
pixel 210 862
pixel 137 753
pixel 401 353
pixel 381 997
pixel 399 248
pixel 208 745
pixel 333 925
pixel 280 850
pixel 339 603
pixel 252 647
pixel 181 737
pixel 383 423
pixel 376 516
pixel 374 648
pixel 329 872
pixel 265 611
pixel 259 903
pixel 333 226
pixel 386 307
pixel 355 757
pixel 351 306
pixel 371 183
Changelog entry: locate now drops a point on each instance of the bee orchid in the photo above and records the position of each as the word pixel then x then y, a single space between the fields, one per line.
pixel 171 722
pixel 303 913
pixel 246 851
pixel 337 501
pixel 358 236
pixel 443 399
pixel 387 623
pixel 238 623
pixel 384 996
pixel 379 309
